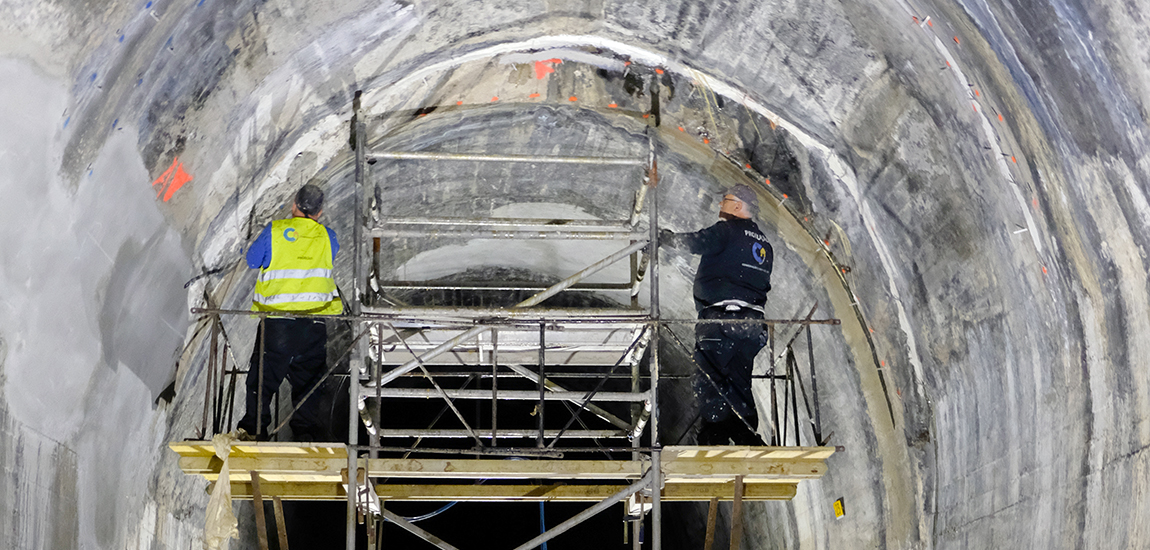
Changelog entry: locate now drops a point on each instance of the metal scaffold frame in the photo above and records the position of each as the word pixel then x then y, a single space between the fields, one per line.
pixel 525 343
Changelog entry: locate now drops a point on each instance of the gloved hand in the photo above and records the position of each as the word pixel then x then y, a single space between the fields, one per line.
pixel 666 236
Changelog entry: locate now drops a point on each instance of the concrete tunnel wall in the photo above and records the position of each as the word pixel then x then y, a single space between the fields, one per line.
pixel 981 177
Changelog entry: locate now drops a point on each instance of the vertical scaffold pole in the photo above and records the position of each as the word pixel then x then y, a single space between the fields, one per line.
pixel 657 481
pixel 359 140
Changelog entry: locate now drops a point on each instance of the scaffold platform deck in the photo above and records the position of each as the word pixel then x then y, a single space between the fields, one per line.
pixel 306 471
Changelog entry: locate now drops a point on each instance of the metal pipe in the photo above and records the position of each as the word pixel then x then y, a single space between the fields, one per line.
pixel 505 434
pixel 513 395
pixel 814 389
pixel 557 452
pixel 428 285
pixel 542 375
pixel 494 315
pixel 208 381
pixel 656 498
pixel 528 316
pixel 428 155
pixel 494 386
pixel 260 380
pixel 588 513
pixel 774 394
pixel 516 224
pixel 360 137
pixel 506 234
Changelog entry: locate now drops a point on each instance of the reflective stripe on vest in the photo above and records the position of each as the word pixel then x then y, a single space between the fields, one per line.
pixel 299 276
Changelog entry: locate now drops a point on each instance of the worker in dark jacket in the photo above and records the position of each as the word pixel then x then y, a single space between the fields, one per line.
pixel 295 258
pixel 732 282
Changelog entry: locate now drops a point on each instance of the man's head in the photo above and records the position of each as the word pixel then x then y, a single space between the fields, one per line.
pixel 308 201
pixel 740 201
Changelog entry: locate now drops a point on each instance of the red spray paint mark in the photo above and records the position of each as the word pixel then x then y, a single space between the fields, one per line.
pixel 748 166
pixel 545 67
pixel 171 180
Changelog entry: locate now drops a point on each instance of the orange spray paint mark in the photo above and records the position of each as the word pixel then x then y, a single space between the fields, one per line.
pixel 658 71
pixel 1014 160
pixel 929 23
pixel 915 17
pixel 976 94
pixel 773 125
pixel 646 115
pixel 1035 202
pixel 1044 270
pixel 612 105
pixel 681 129
pixel 705 140
pixel 626 63
pixel 494 98
pixel 533 96
pixel 883 363
pixel 975 107
pixel 1000 117
pixel 956 40
pixel 785 196
pixel 572 98
pixel 171 180
pixel 545 67
pixel 748 166
pixel 768 181
pixel 948 63
pixel 459 102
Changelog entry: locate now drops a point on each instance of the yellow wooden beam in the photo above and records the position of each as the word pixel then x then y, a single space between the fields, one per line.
pixel 512 493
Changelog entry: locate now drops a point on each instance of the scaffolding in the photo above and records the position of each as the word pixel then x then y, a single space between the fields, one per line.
pixel 591 374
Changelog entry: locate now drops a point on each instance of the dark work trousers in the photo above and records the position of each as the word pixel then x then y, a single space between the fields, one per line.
pixel 296 349
pixel 726 353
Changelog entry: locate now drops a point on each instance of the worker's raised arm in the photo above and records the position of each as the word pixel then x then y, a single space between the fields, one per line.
pixel 709 240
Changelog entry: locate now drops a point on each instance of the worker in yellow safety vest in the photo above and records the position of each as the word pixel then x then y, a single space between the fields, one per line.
pixel 295 258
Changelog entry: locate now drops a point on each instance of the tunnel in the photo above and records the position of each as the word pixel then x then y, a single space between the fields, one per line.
pixel 959 183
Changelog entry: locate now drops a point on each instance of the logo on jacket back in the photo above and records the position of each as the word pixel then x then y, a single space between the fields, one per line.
pixel 759 253
pixel 289 234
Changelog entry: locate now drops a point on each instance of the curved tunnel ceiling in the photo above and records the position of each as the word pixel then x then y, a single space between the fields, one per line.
pixel 962 183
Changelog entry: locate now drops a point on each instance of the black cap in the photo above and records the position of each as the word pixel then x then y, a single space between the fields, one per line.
pixel 309 200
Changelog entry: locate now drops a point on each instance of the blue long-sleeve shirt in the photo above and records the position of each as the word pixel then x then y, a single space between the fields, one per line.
pixel 260 253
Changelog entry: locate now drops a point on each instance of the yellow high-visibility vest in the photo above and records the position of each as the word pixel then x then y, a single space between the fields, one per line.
pixel 299 276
